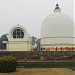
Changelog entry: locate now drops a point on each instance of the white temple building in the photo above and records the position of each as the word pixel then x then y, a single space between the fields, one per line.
pixel 57 31
pixel 18 39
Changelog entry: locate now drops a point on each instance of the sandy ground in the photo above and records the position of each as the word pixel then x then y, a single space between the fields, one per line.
pixel 41 71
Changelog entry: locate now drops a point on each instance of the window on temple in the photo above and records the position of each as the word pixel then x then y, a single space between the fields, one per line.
pixel 18 33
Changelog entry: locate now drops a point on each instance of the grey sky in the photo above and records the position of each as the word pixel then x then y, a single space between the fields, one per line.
pixel 30 13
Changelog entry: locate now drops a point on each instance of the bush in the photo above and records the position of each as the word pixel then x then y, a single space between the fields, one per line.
pixel 8 64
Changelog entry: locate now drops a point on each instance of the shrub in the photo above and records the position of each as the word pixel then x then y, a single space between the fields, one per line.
pixel 8 64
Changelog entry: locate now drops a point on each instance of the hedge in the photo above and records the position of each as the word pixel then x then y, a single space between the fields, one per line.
pixel 8 64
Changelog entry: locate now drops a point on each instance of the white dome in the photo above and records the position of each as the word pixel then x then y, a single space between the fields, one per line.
pixel 57 25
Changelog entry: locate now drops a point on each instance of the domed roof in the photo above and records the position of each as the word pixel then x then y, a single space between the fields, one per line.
pixel 4 37
pixel 18 33
pixel 57 25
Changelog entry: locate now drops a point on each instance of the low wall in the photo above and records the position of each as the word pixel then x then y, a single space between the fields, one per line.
pixel 47 55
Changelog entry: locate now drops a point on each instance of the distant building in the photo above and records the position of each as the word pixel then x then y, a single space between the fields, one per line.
pixel 3 38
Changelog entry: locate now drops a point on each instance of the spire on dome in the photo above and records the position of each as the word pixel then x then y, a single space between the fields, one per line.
pixel 57 5
pixel 57 8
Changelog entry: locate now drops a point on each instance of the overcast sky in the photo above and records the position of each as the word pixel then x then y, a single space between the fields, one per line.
pixel 30 13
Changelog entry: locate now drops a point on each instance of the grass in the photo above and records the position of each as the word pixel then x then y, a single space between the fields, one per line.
pixel 41 71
